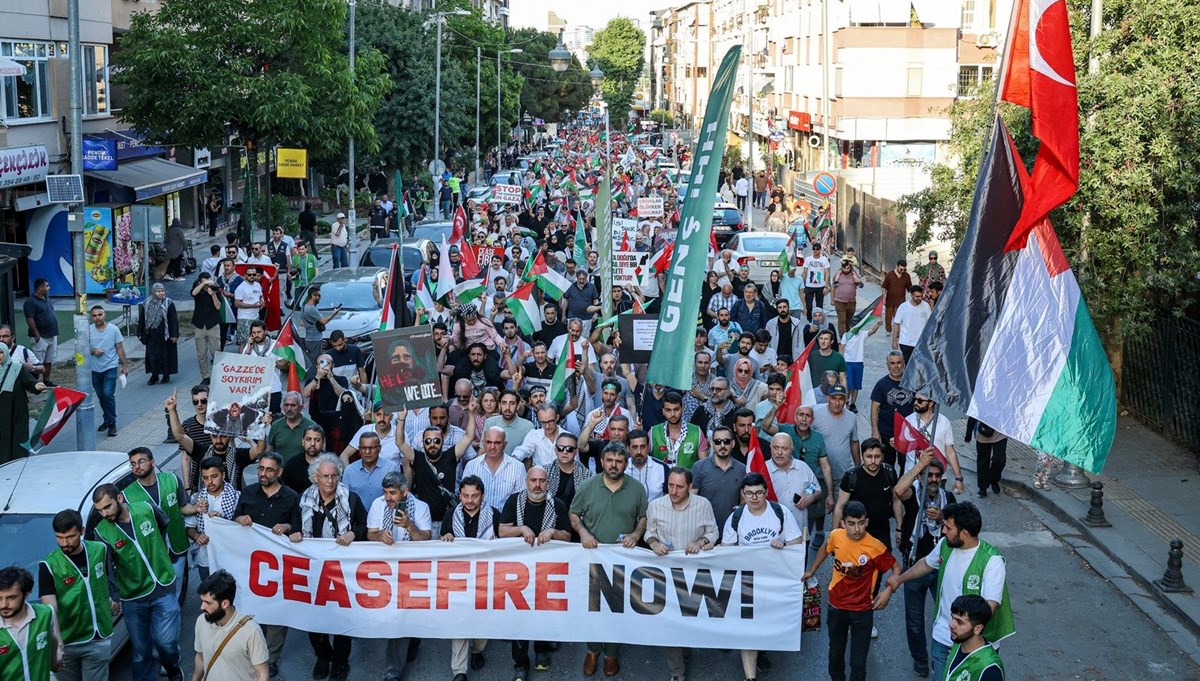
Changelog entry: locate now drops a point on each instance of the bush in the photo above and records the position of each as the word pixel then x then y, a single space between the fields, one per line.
pixel 281 213
pixel 323 227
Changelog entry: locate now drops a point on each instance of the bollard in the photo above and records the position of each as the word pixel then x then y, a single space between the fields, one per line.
pixel 1172 579
pixel 1071 477
pixel 1095 515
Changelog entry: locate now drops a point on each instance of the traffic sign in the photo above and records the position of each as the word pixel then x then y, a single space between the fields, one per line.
pixel 825 183
pixel 437 166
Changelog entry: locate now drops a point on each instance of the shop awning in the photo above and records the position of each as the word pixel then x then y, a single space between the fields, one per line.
pixel 150 177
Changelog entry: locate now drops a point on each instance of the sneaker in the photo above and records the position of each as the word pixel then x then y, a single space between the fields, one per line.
pixel 112 431
pixel 103 427
pixel 853 408
pixel 477 661
pixel 982 493
pixel 541 662
pixel 321 669
pixel 520 673
pixel 272 669
pixel 459 677
pixel 339 671
pixel 764 662
pixel 921 669
pixel 995 485
pixel 874 632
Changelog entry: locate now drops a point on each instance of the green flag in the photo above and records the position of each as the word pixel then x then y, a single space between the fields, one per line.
pixel 581 244
pixel 672 358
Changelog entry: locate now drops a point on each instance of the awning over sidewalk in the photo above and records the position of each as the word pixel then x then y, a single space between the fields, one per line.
pixel 150 177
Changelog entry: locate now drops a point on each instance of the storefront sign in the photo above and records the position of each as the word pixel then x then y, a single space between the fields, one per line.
pixel 201 157
pixel 291 163
pixel 23 165
pixel 129 144
pixel 99 154
pixel 799 120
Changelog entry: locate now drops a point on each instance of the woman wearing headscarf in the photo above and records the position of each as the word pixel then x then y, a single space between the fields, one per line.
pixel 16 382
pixel 158 330
pixel 745 390
pixel 176 244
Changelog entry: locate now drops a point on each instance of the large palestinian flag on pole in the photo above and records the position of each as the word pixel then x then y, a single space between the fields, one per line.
pixel 60 404
pixel 1011 342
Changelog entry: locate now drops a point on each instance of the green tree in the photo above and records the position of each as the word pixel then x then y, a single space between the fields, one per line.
pixel 619 51
pixel 548 94
pixel 1131 232
pixel 663 116
pixel 268 71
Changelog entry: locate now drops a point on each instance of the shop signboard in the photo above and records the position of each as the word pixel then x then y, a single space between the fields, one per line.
pixel 99 154
pixel 23 165
pixel 97 247
pixel 291 163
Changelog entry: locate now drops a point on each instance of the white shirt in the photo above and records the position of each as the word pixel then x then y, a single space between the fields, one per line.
pixel 508 479
pixel 742 187
pixel 653 476
pixel 388 451
pixel 538 446
pixel 249 293
pixel 759 530
pixel 580 347
pixel 339 234
pixel 943 437
pixel 992 588
pixel 260 260
pixel 911 319
pixel 420 517
pixel 814 271
pixel 855 347
pixel 798 479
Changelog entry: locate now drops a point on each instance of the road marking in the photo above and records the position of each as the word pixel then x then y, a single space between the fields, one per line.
pixel 1037 538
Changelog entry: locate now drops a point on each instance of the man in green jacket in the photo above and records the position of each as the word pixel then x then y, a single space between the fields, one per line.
pixel 166 491
pixel 77 584
pixel 135 533
pixel 30 646
pixel 971 657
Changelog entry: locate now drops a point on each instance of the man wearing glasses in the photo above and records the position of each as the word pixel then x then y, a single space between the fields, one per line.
pixel 935 427
pixel 433 467
pixel 164 491
pixel 234 459
pixel 248 299
pixel 537 449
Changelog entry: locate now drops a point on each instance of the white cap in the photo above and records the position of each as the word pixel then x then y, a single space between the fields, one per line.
pixel 341 215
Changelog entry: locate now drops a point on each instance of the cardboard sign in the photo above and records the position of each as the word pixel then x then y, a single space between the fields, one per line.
pixel 628 267
pixel 406 363
pixel 621 227
pixel 650 207
pixel 637 336
pixel 240 393
pixel 507 193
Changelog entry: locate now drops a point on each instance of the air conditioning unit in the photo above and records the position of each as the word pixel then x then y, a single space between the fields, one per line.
pixel 987 40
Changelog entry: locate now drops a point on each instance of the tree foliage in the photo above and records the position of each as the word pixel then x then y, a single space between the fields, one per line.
pixel 548 94
pixel 662 116
pixel 1131 232
pixel 269 71
pixel 619 51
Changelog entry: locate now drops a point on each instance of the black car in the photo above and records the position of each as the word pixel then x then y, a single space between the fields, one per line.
pixel 727 221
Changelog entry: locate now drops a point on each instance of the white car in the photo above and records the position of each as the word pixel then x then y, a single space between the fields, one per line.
pixel 34 489
pixel 759 251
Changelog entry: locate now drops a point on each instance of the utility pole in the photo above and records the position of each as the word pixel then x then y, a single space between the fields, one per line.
pixel 750 115
pixel 478 71
pixel 352 213
pixel 826 80
pixel 499 140
pixel 437 118
pixel 85 417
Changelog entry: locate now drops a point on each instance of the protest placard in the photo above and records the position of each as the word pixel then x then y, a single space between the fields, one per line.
pixel 637 336
pixel 650 207
pixel 406 363
pixel 627 268
pixel 239 394
pixel 507 193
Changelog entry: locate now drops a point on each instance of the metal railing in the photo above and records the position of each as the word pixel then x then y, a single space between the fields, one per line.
pixel 1160 384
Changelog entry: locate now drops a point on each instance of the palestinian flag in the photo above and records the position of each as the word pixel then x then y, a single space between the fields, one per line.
pixel 785 257
pixel 1011 342
pixel 446 278
pixel 523 305
pixel 536 190
pixel 800 383
pixel 288 348
pixel 861 322
pixel 228 313
pixel 387 320
pixel 423 301
pixel 59 407
pixel 469 290
pixel 551 282
pixel 564 366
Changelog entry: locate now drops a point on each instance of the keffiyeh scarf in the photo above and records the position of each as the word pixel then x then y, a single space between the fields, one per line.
pixel 549 518
pixel 389 519
pixel 310 504
pixel 554 477
pixel 486 525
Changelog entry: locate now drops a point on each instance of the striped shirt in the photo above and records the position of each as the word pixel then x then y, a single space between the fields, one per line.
pixel 679 527
pixel 508 479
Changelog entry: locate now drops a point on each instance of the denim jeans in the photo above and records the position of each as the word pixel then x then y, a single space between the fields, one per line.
pixel 341 257
pixel 916 591
pixel 104 384
pixel 855 627
pixel 938 652
pixel 153 628
pixel 180 565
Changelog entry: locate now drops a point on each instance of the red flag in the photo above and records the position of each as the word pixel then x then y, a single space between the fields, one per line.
pixel 1040 76
pixel 458 233
pixel 908 439
pixel 799 384
pixel 625 242
pixel 712 243
pixel 274 320
pixel 757 463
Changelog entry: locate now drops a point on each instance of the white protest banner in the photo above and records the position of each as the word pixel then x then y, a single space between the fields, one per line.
pixel 507 193
pixel 735 597
pixel 240 393
pixel 621 227
pixel 650 207
pixel 627 267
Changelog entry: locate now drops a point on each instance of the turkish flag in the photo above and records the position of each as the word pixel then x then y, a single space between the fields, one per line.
pixel 907 439
pixel 757 463
pixel 1040 76
pixel 270 290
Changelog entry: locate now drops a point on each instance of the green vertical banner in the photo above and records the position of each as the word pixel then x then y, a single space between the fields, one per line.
pixel 603 219
pixel 671 360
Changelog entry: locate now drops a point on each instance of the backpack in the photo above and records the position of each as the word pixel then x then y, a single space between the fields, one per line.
pixel 737 515
pixel 889 475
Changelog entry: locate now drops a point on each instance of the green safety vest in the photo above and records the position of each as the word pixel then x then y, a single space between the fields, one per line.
pixel 1001 625
pixel 32 662
pixel 689 449
pixel 83 598
pixel 141 560
pixel 454 184
pixel 973 665
pixel 168 501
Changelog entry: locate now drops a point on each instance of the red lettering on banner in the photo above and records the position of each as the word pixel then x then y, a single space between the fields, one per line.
pixel 376 591
pixel 331 585
pixel 447 583
pixel 511 580
pixel 407 572
pixel 481 584
pixel 259 562
pixel 544 587
pixel 295 579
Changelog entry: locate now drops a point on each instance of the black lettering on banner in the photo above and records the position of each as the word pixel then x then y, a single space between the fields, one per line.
pixel 637 590
pixel 715 601
pixel 613 590
pixel 748 595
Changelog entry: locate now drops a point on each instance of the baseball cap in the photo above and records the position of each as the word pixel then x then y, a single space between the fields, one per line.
pixel 341 215
pixel 838 389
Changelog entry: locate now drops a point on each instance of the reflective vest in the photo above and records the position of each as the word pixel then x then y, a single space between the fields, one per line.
pixel 141 560
pixel 168 501
pixel 972 667
pixel 31 662
pixel 1001 625
pixel 684 452
pixel 82 596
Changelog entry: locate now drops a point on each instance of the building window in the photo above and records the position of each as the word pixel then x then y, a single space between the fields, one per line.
pixel 702 72
pixel 95 80
pixel 914 81
pixel 970 76
pixel 26 97
pixel 789 78
pixel 968 14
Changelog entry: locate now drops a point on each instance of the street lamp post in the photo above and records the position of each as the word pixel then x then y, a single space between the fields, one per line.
pixel 499 142
pixel 437 103
pixel 352 214
pixel 478 70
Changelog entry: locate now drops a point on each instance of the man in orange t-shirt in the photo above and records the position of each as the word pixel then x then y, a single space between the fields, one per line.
pixel 860 561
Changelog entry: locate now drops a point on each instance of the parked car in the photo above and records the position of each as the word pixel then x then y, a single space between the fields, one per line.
pixel 727 221
pixel 38 487
pixel 433 230
pixel 416 252
pixel 508 176
pixel 759 251
pixel 360 291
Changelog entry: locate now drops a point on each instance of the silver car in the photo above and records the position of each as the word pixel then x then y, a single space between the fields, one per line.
pixel 359 291
pixel 759 251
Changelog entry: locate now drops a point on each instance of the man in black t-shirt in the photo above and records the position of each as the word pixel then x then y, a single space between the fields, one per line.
pixel 887 397
pixel 552 327
pixel 432 466
pixel 872 484
pixel 538 519
pixel 378 220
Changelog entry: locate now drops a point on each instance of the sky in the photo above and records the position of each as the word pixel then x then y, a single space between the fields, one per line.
pixel 532 13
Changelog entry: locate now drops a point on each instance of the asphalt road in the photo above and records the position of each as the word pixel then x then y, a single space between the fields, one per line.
pixel 1071 624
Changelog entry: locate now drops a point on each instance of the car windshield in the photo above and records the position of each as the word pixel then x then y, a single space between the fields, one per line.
pixel 353 296
pixel 726 216
pixel 433 232
pixel 762 243
pixel 26 539
pixel 381 256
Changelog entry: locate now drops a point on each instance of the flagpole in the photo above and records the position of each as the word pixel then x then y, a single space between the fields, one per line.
pixel 1001 72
